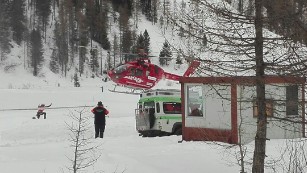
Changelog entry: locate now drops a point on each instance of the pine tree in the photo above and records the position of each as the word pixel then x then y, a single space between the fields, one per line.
pixel 101 25
pixel 71 31
pixel 36 51
pixel 90 15
pixel 179 60
pixel 126 42
pixel 140 44
pixel 17 20
pixel 54 62
pixel 76 80
pixel 146 41
pixel 127 3
pixel 43 11
pixel 165 54
pixel 94 61
pixel 108 64
pixel 83 39
pixel 61 37
pixel 98 22
pixel 154 11
pixel 4 29
pixel 146 9
pixel 115 50
pixel 287 18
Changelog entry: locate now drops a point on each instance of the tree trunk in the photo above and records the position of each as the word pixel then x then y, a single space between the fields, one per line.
pixel 260 138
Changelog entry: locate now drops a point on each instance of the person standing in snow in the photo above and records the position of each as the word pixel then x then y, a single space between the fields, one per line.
pixel 100 119
pixel 41 110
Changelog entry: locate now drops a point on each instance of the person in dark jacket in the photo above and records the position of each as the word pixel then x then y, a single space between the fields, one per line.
pixel 195 111
pixel 100 119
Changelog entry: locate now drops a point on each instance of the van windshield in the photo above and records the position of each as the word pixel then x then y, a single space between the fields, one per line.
pixel 149 106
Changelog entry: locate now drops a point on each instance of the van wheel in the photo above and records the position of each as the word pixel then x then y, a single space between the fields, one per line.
pixel 178 131
pixel 144 134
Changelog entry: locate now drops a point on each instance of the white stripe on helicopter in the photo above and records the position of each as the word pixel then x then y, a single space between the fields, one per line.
pixel 136 79
pixel 152 78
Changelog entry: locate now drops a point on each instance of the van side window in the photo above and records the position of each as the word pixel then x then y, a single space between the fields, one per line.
pixel 172 108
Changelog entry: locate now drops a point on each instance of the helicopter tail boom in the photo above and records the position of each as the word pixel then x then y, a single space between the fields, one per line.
pixel 193 66
pixel 171 76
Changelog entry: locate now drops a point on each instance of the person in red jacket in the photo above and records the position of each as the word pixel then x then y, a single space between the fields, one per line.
pixel 100 119
pixel 41 110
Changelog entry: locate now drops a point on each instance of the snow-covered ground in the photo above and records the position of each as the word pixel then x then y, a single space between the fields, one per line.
pixel 42 145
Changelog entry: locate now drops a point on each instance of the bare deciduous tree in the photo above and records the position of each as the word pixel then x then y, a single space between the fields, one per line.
pixel 243 48
pixel 85 152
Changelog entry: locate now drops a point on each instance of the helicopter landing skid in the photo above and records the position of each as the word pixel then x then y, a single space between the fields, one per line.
pixel 125 92
pixel 132 91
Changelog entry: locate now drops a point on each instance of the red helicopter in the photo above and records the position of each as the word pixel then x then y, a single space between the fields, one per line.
pixel 141 74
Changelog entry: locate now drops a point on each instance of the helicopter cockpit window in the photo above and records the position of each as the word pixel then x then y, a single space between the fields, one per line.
pixel 132 71
pixel 121 68
pixel 138 72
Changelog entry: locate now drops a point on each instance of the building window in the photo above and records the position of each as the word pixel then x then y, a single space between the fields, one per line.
pixel 195 100
pixel 195 110
pixel 268 108
pixel 292 100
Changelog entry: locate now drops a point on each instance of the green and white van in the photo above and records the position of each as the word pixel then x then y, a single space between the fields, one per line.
pixel 159 113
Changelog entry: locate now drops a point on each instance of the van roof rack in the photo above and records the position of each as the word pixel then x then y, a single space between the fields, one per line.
pixel 161 92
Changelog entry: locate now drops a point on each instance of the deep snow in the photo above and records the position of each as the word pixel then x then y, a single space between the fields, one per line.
pixel 41 145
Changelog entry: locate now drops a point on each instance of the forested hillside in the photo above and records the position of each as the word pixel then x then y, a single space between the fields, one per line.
pixel 89 36
pixel 70 35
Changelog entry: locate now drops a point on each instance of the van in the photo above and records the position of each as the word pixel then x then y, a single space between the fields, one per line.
pixel 159 113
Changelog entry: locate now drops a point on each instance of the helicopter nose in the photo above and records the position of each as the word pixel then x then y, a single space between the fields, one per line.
pixel 111 75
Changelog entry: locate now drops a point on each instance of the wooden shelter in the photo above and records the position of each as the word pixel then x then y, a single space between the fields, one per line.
pixel 225 108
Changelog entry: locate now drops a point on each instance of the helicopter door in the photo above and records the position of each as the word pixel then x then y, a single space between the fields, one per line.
pixel 135 71
pixel 147 72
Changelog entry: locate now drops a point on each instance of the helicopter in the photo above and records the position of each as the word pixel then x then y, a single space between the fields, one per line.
pixel 140 74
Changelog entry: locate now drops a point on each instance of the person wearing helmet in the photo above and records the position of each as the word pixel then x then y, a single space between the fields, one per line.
pixel 100 119
pixel 41 110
